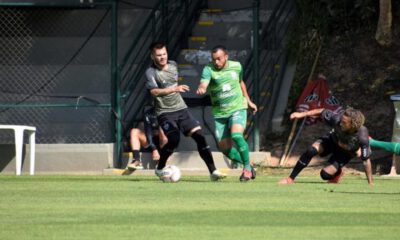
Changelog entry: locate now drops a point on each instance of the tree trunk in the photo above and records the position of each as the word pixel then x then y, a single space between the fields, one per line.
pixel 384 30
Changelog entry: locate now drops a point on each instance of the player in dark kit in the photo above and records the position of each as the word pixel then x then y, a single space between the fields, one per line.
pixel 151 139
pixel 347 139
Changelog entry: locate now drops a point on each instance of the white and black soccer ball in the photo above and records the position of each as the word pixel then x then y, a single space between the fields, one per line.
pixel 170 173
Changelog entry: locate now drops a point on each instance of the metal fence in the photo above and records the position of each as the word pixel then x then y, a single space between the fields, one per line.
pixel 55 68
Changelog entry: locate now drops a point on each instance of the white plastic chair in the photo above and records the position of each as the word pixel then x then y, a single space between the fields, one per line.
pixel 19 141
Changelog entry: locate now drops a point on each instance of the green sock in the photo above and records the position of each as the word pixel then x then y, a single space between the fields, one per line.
pixel 393 147
pixel 243 148
pixel 233 154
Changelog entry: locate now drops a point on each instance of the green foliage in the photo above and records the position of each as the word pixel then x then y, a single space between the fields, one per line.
pixel 137 207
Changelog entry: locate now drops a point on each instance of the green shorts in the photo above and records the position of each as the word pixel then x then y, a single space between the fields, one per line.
pixel 223 125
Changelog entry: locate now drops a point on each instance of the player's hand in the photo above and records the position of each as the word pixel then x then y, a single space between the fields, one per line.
pixel 182 88
pixel 201 91
pixel 296 115
pixel 253 107
pixel 155 155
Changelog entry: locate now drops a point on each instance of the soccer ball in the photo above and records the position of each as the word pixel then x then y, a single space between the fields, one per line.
pixel 171 173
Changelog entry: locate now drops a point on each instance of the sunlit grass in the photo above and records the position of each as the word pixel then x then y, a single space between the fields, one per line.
pixel 137 207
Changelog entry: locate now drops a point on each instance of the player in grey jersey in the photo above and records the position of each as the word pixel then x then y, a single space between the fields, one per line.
pixel 347 139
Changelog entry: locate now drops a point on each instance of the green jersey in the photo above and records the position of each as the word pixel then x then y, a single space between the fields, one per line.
pixel 224 88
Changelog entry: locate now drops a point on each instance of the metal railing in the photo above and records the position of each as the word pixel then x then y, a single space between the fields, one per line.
pixel 267 63
pixel 170 22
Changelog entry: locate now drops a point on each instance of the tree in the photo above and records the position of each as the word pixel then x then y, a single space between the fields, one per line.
pixel 384 30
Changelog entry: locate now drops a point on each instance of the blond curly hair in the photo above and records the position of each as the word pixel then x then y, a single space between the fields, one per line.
pixel 356 117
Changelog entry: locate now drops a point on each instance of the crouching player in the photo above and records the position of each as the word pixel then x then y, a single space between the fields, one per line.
pixel 152 138
pixel 347 139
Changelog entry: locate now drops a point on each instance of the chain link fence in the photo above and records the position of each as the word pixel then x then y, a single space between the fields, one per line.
pixel 55 73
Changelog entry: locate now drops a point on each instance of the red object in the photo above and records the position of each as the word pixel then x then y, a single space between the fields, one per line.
pixel 315 95
pixel 337 178
pixel 286 181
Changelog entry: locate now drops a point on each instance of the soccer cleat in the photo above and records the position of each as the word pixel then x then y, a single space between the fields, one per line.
pixel 286 181
pixel 246 175
pixel 134 165
pixel 217 175
pixel 338 177
pixel 158 172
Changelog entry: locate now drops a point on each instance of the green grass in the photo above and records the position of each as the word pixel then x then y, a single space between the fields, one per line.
pixel 133 207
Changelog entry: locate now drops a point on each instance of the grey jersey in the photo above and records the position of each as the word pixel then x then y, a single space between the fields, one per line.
pixel 162 79
pixel 353 141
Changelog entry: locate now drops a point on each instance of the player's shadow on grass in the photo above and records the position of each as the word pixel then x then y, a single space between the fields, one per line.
pixel 156 179
pixel 310 182
pixel 366 193
pixel 141 179
pixel 199 180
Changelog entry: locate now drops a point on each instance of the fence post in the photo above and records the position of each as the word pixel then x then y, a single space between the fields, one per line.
pixel 115 79
pixel 164 20
pixel 396 132
pixel 256 89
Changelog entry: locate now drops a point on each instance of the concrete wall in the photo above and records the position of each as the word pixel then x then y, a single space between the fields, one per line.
pixel 60 158
pixel 97 159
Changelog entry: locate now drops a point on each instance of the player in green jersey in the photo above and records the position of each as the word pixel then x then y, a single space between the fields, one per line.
pixel 223 79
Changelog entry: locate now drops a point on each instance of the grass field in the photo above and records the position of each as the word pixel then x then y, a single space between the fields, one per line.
pixel 132 207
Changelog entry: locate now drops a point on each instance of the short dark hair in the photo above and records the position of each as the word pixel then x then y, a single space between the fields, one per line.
pixel 219 47
pixel 157 45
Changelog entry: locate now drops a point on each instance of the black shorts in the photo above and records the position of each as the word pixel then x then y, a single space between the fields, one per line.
pixel 181 120
pixel 339 155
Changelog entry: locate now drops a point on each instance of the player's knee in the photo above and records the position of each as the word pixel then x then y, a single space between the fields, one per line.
pixel 236 136
pixel 201 141
pixel 325 175
pixel 311 152
pixel 193 131
pixel 135 132
pixel 238 139
pixel 306 157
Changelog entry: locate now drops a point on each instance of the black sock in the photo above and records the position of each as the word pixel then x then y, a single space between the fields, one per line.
pixel 304 160
pixel 165 153
pixel 204 150
pixel 136 155
pixel 168 149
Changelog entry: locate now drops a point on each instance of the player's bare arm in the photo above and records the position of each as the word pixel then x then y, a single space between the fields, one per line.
pixel 202 89
pixel 157 92
pixel 314 112
pixel 251 105
pixel 368 171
